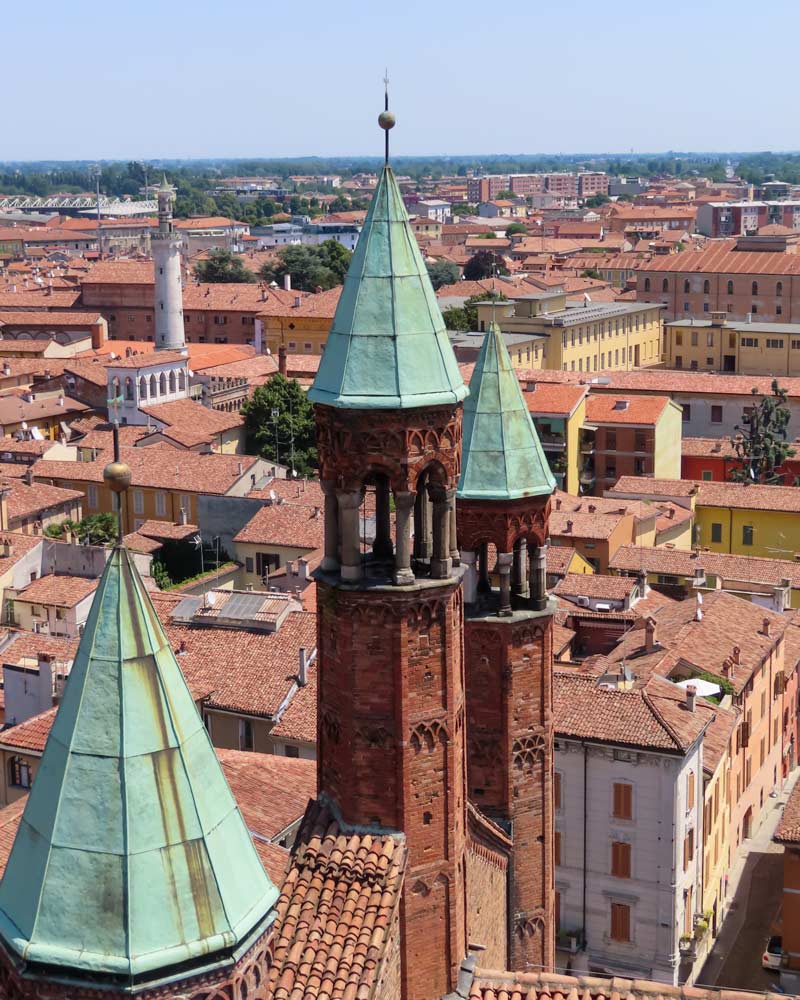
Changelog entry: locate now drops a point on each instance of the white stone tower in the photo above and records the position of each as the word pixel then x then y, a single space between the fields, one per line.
pixel 166 246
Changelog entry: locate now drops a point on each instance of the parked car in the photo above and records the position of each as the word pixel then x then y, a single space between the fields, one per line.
pixel 771 959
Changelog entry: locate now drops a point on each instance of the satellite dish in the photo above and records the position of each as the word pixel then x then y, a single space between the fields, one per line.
pixel 211 597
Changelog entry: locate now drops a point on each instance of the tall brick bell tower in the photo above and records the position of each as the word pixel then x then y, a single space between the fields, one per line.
pixel 391 734
pixel 503 509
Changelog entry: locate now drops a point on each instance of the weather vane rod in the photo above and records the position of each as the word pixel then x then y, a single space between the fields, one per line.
pixel 386 119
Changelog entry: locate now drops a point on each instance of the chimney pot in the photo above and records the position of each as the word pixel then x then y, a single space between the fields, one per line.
pixel 569 525
pixel 765 626
pixel 302 674
pixel 691 695
pixel 649 635
pixel 736 654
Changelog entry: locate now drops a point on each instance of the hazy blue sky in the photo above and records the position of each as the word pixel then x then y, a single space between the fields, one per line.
pixel 163 78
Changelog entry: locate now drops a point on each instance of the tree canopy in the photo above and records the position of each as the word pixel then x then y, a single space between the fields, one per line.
pixel 96 529
pixel 761 442
pixel 484 264
pixel 443 272
pixel 466 317
pixel 222 265
pixel 279 422
pixel 515 228
pixel 311 267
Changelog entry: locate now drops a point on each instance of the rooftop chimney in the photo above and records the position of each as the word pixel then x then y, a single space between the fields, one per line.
pixel 736 654
pixel 287 282
pixel 282 366
pixel 558 503
pixel 691 694
pixel 765 626
pixel 302 673
pixel 649 635
pixel 183 516
pixel 569 525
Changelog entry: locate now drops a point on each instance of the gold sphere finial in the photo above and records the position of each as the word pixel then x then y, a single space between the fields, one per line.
pixel 117 476
pixel 386 120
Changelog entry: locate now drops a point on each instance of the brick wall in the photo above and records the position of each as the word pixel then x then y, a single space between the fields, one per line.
pixel 487 913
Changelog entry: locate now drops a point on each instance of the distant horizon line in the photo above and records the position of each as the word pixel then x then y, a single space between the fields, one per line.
pixel 312 157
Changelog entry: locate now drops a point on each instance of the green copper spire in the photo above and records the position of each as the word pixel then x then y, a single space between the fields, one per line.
pixel 132 858
pixel 502 458
pixel 388 347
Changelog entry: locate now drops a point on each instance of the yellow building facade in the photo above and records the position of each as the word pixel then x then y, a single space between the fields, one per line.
pixel 591 337
pixel 733 347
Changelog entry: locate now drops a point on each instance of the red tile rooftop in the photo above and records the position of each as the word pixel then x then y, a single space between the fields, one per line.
pixel 644 411
pixel 722 258
pixel 595 585
pixel 289 524
pixel 547 399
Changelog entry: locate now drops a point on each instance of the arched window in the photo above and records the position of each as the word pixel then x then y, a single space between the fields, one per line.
pixel 755 288
pixel 665 285
pixel 129 388
pixel 647 284
pixel 162 384
pixel 779 289
pixel 730 288
pixel 19 772
pixel 686 287
pixel 181 379
pixel 172 382
pixel 142 388
pixel 153 387
pixel 706 287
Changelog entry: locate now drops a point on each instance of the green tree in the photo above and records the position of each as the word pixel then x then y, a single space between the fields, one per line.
pixel 462 208
pixel 310 267
pixel 222 265
pixel 443 272
pixel 591 272
pixel 515 228
pixel 279 421
pixel 96 529
pixel 505 195
pixel 483 265
pixel 596 200
pixel 761 443
pixel 466 317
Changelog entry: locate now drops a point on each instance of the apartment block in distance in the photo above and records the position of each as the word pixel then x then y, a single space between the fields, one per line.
pixel 742 347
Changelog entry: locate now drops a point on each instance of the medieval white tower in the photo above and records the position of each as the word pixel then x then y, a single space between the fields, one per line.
pixel 166 246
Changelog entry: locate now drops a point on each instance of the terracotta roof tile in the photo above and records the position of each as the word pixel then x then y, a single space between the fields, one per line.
pixel 546 398
pixel 723 258
pixel 596 585
pixel 30 735
pixel 497 985
pixel 558 558
pixel 158 466
pixel 643 410
pixel 740 496
pixel 34 499
pixel 292 524
pixel 683 562
pixel 190 423
pixel 568 524
pixel 336 911
pixel 788 831
pixel 266 663
pixel 62 591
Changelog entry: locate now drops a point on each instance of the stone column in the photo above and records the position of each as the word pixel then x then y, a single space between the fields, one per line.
pixel 455 554
pixel 423 545
pixel 521 568
pixel 504 562
pixel 330 562
pixel 538 578
pixel 382 546
pixel 469 559
pixel 349 505
pixel 404 504
pixel 441 563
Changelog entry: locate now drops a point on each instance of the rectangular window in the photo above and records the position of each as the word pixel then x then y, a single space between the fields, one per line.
pixel 640 441
pixel 690 790
pixel 290 751
pixel 678 338
pixel 620 860
pixel 678 361
pixel 716 414
pixel 557 846
pixel 138 502
pixel 248 564
pixel 620 922
pixel 246 734
pixel 694 338
pixel 747 534
pixel 716 533
pixel 91 496
pixel 749 341
pixel 686 413
pixel 709 340
pixel 161 504
pixel 557 789
pixel 774 344
pixel 707 475
pixel 611 440
pixel 623 800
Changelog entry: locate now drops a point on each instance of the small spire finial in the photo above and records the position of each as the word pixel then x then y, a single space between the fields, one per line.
pixel 386 119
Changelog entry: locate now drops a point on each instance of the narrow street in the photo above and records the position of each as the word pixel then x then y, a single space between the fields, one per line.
pixel 757 882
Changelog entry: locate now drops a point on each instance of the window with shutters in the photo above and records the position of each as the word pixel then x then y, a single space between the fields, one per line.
pixel 161 503
pixel 557 846
pixel 557 789
pixel 620 922
pixel 138 502
pixel 688 849
pixel 690 791
pixel 623 800
pixel 557 913
pixel 620 859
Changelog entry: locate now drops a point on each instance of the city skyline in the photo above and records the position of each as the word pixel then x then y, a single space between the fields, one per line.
pixel 174 86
